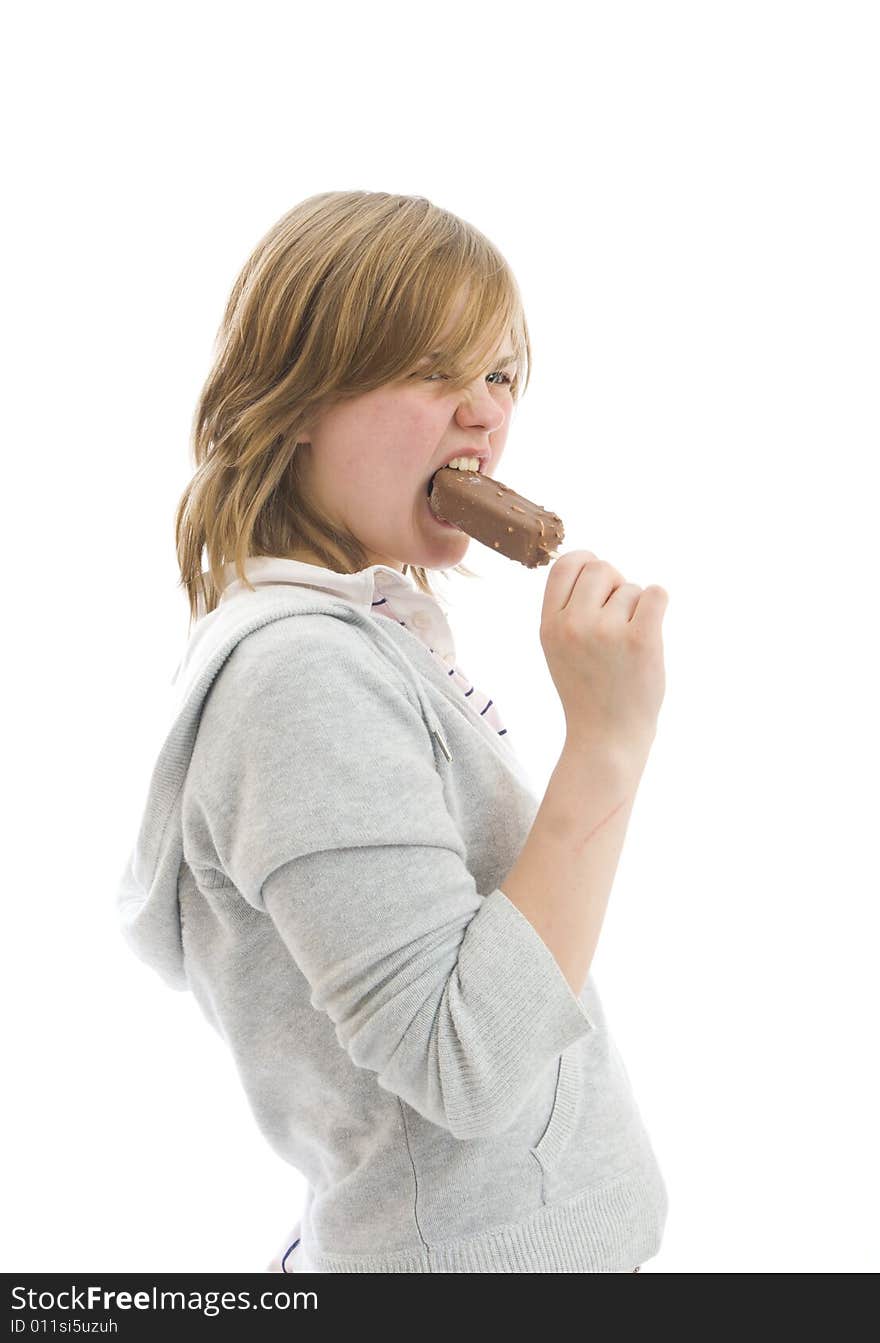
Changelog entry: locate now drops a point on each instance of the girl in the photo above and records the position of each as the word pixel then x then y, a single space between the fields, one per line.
pixel 339 855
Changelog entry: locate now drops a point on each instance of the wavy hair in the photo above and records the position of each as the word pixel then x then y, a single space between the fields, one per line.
pixel 346 292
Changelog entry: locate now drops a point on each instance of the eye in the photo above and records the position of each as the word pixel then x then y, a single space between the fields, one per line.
pixel 497 374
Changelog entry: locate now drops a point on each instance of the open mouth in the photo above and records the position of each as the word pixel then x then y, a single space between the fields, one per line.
pixel 458 464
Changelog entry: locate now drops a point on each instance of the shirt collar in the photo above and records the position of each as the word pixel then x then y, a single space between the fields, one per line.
pixel 367 589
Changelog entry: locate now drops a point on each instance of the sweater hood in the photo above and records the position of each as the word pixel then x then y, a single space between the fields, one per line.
pixel 146 900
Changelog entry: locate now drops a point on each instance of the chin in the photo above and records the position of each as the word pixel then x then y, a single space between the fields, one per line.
pixel 445 552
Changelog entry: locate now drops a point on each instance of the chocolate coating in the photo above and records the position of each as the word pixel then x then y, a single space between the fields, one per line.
pixel 496 516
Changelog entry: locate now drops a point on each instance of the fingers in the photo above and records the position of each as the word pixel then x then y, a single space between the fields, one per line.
pixel 563 576
pixel 581 576
pixel 624 599
pixel 652 604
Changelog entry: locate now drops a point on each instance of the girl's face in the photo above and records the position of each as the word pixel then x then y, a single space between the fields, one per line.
pixel 370 460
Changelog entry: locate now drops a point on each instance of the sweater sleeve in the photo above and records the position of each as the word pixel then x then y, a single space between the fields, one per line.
pixel 317 781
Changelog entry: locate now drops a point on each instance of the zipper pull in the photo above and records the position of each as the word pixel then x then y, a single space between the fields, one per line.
pixel 444 748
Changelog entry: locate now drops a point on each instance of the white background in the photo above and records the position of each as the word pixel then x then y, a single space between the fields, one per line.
pixel 688 195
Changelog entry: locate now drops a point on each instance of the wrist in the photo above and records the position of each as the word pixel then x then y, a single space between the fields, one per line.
pixel 608 756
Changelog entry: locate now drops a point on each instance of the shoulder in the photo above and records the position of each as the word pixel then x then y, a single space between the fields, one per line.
pixel 310 632
pixel 310 663
pixel 309 740
pixel 308 708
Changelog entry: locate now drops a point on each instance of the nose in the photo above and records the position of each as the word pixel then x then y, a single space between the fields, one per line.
pixel 479 408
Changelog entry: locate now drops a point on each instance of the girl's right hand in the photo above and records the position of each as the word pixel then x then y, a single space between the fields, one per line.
pixel 603 642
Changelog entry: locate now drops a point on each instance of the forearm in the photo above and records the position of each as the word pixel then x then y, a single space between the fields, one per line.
pixel 562 879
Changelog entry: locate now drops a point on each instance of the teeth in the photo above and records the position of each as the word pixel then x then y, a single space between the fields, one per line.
pixel 460 464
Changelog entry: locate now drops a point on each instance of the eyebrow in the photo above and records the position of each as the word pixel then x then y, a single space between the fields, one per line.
pixel 439 354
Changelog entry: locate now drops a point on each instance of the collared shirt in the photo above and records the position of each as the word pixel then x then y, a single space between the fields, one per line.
pixel 382 591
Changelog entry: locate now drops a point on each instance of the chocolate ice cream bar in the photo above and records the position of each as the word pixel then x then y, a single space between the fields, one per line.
pixel 496 515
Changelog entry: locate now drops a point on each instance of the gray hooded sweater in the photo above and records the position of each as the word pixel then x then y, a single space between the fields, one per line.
pixel 320 862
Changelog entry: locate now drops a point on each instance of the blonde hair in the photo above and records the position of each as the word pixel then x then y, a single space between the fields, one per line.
pixel 346 292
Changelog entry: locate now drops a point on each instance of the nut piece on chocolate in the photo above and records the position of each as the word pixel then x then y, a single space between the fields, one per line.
pixel 496 515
